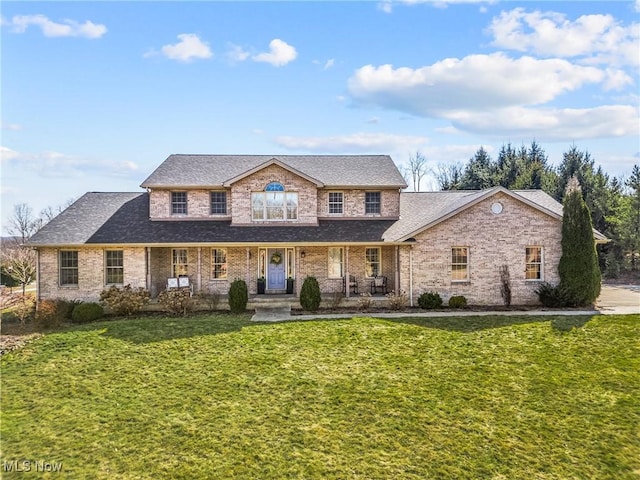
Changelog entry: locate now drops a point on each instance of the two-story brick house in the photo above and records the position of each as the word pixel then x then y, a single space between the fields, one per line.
pixel 215 218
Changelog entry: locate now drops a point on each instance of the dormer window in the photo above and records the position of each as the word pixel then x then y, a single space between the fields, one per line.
pixel 274 204
pixel 178 203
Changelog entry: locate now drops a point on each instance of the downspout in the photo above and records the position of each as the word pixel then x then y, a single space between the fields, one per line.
pixel 148 267
pixel 346 273
pixel 411 276
pixel 199 279
pixel 37 275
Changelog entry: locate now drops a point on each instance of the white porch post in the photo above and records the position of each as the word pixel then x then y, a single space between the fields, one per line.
pixel 199 278
pixel 411 276
pixel 148 267
pixel 247 274
pixel 346 273
pixel 397 269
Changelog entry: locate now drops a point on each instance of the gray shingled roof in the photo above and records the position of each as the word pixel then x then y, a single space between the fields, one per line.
pixel 330 170
pixel 123 218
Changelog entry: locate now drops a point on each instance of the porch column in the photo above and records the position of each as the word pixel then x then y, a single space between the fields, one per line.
pixel 397 269
pixel 346 273
pixel 247 273
pixel 148 267
pixel 199 277
pixel 411 276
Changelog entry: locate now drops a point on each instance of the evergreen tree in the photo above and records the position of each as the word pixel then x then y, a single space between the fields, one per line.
pixel 578 267
pixel 479 173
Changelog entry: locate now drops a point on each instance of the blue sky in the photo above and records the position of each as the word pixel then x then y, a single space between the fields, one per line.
pixel 96 94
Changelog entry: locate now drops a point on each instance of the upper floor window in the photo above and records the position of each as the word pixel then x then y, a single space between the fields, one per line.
pixel 460 264
pixel 336 201
pixel 533 263
pixel 114 267
pixel 68 267
pixel 274 204
pixel 372 262
pixel 178 203
pixel 372 202
pixel 218 203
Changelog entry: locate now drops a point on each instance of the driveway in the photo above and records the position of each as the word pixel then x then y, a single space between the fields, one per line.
pixel 619 299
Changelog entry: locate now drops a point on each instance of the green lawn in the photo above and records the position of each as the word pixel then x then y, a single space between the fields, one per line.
pixel 366 398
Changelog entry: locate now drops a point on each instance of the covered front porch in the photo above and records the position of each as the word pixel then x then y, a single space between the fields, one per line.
pixel 274 270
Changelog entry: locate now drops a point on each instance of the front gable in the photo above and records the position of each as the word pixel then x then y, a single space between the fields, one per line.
pixel 303 189
pixel 273 161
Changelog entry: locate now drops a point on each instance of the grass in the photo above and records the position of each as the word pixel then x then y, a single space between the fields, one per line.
pixel 221 397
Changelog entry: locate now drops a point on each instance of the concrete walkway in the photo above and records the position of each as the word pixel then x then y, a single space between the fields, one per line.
pixel 614 300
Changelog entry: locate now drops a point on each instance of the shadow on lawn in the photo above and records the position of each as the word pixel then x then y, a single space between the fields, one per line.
pixel 472 324
pixel 150 330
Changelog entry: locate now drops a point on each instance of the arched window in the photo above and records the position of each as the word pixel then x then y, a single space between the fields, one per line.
pixel 274 187
pixel 274 204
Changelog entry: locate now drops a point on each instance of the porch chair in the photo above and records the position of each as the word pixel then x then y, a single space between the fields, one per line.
pixel 353 284
pixel 183 282
pixel 172 283
pixel 379 284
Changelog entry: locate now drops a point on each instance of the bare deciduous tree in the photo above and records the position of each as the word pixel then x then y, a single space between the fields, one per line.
pixel 418 167
pixel 449 176
pixel 22 223
pixel 19 263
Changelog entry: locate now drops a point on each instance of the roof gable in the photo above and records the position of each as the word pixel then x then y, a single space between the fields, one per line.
pixel 273 161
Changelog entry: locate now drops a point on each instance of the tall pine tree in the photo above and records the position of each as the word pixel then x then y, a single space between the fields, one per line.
pixel 578 267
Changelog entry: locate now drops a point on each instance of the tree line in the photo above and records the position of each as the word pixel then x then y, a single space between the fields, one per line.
pixel 614 202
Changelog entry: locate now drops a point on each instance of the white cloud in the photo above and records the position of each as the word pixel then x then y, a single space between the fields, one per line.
pixel 69 28
pixel 387 5
pixel 14 127
pixel 552 123
pixel 280 53
pixel 189 47
pixel 56 164
pixel 596 38
pixel 328 64
pixel 475 82
pixel 356 142
pixel 235 53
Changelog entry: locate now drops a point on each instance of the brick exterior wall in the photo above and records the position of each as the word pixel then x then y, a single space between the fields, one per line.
pixel 91 272
pixel 198 205
pixel 493 240
pixel 353 203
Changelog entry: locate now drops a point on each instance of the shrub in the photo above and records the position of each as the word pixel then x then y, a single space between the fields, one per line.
pixel 554 296
pixel 397 301
pixel 238 296
pixel 53 313
pixel 310 294
pixel 125 300
pixel 505 285
pixel 176 301
pixel 87 312
pixel 458 301
pixel 24 310
pixel 430 300
pixel 337 299
pixel 364 302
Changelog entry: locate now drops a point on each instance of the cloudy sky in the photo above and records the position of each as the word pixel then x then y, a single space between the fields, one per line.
pixel 96 95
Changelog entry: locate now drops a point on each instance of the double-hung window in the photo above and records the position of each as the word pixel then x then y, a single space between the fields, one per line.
pixel 274 204
pixel 178 203
pixel 219 263
pixel 336 262
pixel 336 201
pixel 372 202
pixel 218 203
pixel 372 262
pixel 114 267
pixel 533 263
pixel 68 267
pixel 460 264
pixel 179 262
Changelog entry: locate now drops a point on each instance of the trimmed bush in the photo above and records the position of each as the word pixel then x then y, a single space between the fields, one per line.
pixel 177 301
pixel 87 312
pixel 310 294
pixel 125 300
pixel 458 301
pixel 430 300
pixel 397 301
pixel 238 296
pixel 554 296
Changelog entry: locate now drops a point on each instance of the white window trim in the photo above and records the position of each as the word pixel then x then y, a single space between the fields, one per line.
pixel 186 203
pixel 329 263
pixel 541 279
pixel 106 267
pixel 60 268
pixel 379 259
pixel 173 264
pixel 213 264
pixel 468 264
pixel 226 203
pixel 335 203
pixel 284 207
